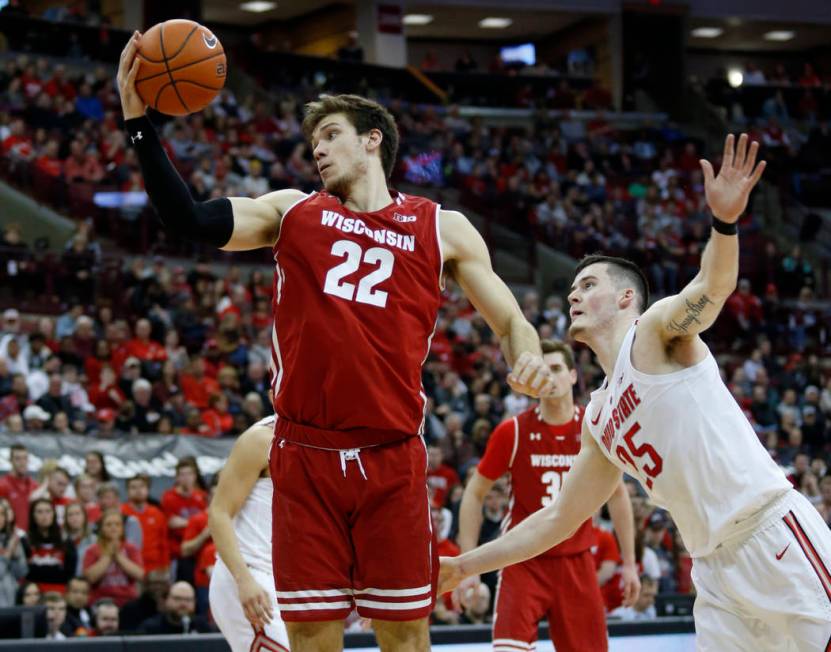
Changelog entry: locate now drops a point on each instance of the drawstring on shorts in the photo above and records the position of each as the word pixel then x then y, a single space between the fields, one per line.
pixel 348 455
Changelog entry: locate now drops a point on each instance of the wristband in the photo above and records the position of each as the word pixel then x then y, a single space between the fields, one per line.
pixel 725 228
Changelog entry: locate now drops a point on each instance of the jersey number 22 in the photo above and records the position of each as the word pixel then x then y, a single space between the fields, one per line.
pixel 354 253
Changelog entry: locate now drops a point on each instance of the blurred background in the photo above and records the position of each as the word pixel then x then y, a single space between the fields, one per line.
pixel 560 128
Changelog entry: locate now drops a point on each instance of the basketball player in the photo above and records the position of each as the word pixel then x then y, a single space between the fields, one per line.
pixel 538 447
pixel 760 550
pixel 242 597
pixel 358 276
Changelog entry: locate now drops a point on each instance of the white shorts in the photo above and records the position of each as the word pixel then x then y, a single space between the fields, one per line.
pixel 768 590
pixel 229 617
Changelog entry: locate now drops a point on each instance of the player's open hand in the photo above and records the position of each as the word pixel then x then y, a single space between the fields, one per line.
pixel 727 193
pixel 256 604
pixel 131 104
pixel 450 574
pixel 631 584
pixel 531 376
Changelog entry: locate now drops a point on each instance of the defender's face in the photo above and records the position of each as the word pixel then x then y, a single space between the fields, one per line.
pixel 564 378
pixel 339 153
pixel 592 300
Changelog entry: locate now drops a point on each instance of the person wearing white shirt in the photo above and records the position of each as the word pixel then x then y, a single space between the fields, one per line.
pixel 644 607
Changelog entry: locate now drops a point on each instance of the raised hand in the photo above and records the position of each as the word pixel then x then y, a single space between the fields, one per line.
pixel 531 376
pixel 132 105
pixel 727 193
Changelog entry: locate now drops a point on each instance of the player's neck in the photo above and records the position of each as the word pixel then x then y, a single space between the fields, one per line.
pixel 606 344
pixel 368 194
pixel 557 411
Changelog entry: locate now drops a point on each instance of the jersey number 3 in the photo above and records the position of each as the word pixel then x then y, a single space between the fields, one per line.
pixel 354 253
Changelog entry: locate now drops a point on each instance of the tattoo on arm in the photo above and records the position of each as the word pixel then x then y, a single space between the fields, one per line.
pixel 694 309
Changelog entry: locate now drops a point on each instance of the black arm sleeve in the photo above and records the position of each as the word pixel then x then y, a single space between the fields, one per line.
pixel 211 222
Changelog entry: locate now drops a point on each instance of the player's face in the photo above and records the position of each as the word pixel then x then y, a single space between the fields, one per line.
pixel 593 299
pixel 340 154
pixel 564 378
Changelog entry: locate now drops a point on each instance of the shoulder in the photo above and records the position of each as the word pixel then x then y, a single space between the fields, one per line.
pixel 282 200
pixel 252 446
pixel 458 235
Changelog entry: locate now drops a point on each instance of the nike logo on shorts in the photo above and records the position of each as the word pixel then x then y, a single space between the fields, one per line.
pixel 784 550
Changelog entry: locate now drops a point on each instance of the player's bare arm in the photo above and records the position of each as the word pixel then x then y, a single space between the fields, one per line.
pixel 678 320
pixel 620 509
pixel 244 466
pixel 587 486
pixel 233 224
pixel 468 262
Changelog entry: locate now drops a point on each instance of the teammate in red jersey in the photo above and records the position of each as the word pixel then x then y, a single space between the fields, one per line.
pixel 538 447
pixel 358 275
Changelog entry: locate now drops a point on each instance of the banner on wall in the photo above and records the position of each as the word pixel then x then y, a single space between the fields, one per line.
pixel 155 455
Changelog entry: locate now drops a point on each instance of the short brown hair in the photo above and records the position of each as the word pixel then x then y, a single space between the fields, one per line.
pixel 556 346
pixel 140 477
pixel 364 115
pixel 622 272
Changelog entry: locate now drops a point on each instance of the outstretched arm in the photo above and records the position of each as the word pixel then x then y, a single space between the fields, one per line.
pixel 236 481
pixel 232 224
pixel 468 261
pixel 697 306
pixel 587 486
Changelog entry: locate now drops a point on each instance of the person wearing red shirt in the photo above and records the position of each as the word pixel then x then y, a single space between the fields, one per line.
pixel 113 566
pixel 55 491
pixel 196 385
pixel 142 347
pixel 440 477
pixel 179 503
pixel 17 486
pixel 538 448
pixel 105 394
pixel 216 417
pixel 606 560
pixel 155 548
pixel 196 545
pixel 49 162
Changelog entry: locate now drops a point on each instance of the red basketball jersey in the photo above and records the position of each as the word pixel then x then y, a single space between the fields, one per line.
pixel 356 296
pixel 538 456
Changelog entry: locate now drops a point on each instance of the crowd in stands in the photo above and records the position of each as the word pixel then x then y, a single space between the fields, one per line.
pixel 144 346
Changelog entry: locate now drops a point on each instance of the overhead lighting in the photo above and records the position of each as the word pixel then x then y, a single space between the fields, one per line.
pixel 495 23
pixel 707 32
pixel 258 7
pixel 735 77
pixel 418 19
pixel 779 35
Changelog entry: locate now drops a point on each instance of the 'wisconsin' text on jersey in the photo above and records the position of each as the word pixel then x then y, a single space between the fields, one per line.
pixel 357 226
pixel 552 460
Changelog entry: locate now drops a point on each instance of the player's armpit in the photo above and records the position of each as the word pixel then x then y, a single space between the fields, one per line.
pixel 468 261
pixel 257 221
pixel 589 484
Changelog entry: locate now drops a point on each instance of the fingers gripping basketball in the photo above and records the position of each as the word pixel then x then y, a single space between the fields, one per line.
pixel 182 67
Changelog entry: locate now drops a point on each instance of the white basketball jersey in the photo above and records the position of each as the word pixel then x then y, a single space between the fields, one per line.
pixel 684 437
pixel 252 524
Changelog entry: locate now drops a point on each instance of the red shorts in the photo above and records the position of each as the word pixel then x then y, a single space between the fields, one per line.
pixel 565 590
pixel 352 531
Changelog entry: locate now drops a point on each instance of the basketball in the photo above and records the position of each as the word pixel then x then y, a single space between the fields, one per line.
pixel 182 67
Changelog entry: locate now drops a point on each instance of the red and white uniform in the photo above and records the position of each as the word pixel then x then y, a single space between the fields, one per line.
pixel 560 584
pixel 356 297
pixel 760 550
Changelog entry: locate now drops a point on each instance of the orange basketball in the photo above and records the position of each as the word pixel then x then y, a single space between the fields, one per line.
pixel 182 67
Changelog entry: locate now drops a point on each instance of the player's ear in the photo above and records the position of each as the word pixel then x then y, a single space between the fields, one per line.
pixel 627 298
pixel 374 138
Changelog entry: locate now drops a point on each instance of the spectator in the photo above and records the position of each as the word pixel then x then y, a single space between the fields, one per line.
pixel 106 615
pixel 440 477
pixel 95 466
pixel 113 566
pixel 477 606
pixel 150 603
pixel 110 498
pixel 52 559
pixel 55 615
pixel 155 551
pixel 78 615
pixel 17 486
pixel 198 546
pixel 88 105
pixel 77 530
pixel 644 607
pixel 55 490
pixel 179 614
pixel 145 413
pixel 85 493
pixel 35 418
pixel 184 499
pixel 56 400
pixel 13 567
pixel 28 595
